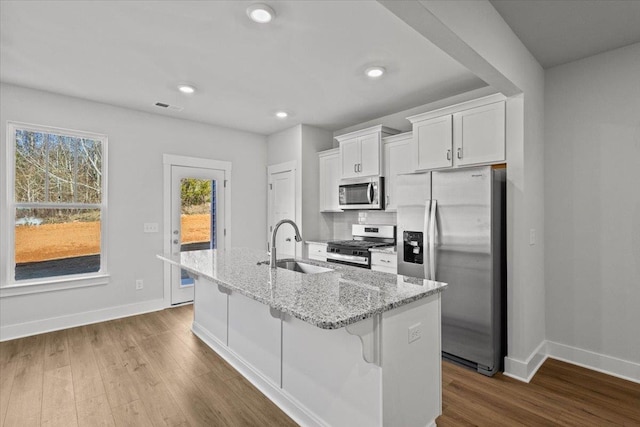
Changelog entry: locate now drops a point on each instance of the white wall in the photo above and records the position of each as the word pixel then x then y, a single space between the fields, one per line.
pixel 316 225
pixel 592 204
pixel 136 143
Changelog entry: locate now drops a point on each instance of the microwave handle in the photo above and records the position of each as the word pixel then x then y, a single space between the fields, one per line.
pixel 370 192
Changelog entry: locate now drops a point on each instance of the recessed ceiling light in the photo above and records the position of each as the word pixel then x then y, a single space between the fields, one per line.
pixel 260 13
pixel 374 72
pixel 186 88
pixel 282 114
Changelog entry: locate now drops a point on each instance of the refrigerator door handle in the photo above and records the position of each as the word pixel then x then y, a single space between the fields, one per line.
pixel 432 240
pixel 426 256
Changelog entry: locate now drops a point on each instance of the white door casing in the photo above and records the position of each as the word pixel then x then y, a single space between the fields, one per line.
pixel 282 205
pixel 176 168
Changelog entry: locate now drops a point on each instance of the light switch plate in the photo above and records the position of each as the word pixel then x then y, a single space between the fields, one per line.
pixel 150 227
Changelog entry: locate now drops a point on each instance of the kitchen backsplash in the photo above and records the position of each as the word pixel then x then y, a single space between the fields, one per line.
pixel 342 221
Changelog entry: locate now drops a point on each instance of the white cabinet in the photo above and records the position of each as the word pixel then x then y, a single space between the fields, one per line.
pixel 387 262
pixel 432 143
pixel 397 160
pixel 317 251
pixel 329 180
pixel 479 135
pixel 467 134
pixel 361 152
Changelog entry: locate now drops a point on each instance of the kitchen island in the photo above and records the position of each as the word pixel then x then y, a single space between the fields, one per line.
pixel 346 346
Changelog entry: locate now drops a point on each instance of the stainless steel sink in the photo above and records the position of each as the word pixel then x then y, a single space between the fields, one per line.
pixel 302 267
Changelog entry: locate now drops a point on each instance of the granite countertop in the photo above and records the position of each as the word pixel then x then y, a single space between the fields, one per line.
pixel 328 300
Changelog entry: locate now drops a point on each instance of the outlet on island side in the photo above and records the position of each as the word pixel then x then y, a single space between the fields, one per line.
pixel 415 332
pixel 139 284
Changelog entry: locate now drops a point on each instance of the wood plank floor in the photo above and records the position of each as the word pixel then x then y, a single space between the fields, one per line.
pixel 150 370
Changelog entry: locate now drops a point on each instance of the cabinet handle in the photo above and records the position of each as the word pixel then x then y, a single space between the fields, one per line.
pixel 359 167
pixel 355 167
pixel 459 153
pixel 387 200
pixel 448 154
pixel 385 260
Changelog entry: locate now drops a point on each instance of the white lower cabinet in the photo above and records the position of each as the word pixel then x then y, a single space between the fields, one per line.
pixel 317 251
pixel 384 262
pixel 255 335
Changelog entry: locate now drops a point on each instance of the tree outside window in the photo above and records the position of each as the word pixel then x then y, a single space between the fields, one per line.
pixel 58 202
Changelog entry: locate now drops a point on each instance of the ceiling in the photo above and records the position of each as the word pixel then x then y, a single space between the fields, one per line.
pixel 561 31
pixel 309 61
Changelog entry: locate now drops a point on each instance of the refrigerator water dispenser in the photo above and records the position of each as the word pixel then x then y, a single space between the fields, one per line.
pixel 413 247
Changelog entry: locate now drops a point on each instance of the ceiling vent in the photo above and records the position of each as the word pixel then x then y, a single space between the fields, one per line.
pixel 168 107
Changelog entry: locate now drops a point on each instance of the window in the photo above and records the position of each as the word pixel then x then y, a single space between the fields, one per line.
pixel 57 203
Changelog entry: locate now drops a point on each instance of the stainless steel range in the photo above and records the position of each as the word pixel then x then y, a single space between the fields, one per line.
pixel 355 252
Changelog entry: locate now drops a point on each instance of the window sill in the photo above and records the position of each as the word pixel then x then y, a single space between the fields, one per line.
pixel 53 284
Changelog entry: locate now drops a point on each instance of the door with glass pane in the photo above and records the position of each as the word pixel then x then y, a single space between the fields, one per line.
pixel 197 219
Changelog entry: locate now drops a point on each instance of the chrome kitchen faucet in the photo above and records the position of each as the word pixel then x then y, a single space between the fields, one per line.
pixel 273 239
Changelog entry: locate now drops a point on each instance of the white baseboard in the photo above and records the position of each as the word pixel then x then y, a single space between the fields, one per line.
pixel 9 332
pixel 620 368
pixel 291 406
pixel 524 370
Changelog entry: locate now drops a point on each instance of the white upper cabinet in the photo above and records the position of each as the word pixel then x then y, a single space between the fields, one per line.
pixel 471 133
pixel 479 134
pixel 397 160
pixel 361 152
pixel 432 146
pixel 329 180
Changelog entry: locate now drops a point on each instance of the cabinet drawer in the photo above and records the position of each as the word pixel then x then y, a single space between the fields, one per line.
pixel 387 262
pixel 317 251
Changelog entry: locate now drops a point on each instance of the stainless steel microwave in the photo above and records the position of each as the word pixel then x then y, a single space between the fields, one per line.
pixel 364 193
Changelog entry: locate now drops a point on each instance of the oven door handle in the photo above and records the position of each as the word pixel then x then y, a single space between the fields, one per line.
pixel 370 192
pixel 349 258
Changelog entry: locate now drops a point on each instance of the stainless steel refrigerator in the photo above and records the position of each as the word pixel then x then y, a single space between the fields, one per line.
pixel 451 228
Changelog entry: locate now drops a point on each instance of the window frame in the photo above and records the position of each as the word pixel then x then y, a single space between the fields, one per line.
pixel 10 285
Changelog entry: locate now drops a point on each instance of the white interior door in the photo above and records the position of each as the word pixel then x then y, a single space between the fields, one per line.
pixel 282 205
pixel 197 219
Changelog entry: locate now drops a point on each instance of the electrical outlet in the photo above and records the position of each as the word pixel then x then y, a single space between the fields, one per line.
pixel 415 332
pixel 150 227
pixel 532 236
pixel 139 284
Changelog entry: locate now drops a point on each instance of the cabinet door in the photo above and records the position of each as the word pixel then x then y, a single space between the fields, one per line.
pixel 432 140
pixel 369 155
pixel 329 182
pixel 397 157
pixel 317 251
pixel 350 155
pixel 480 135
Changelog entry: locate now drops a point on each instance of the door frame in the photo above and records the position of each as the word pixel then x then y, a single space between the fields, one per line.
pixel 297 194
pixel 170 160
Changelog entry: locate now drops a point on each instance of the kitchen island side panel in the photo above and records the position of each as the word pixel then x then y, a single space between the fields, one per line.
pixel 325 371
